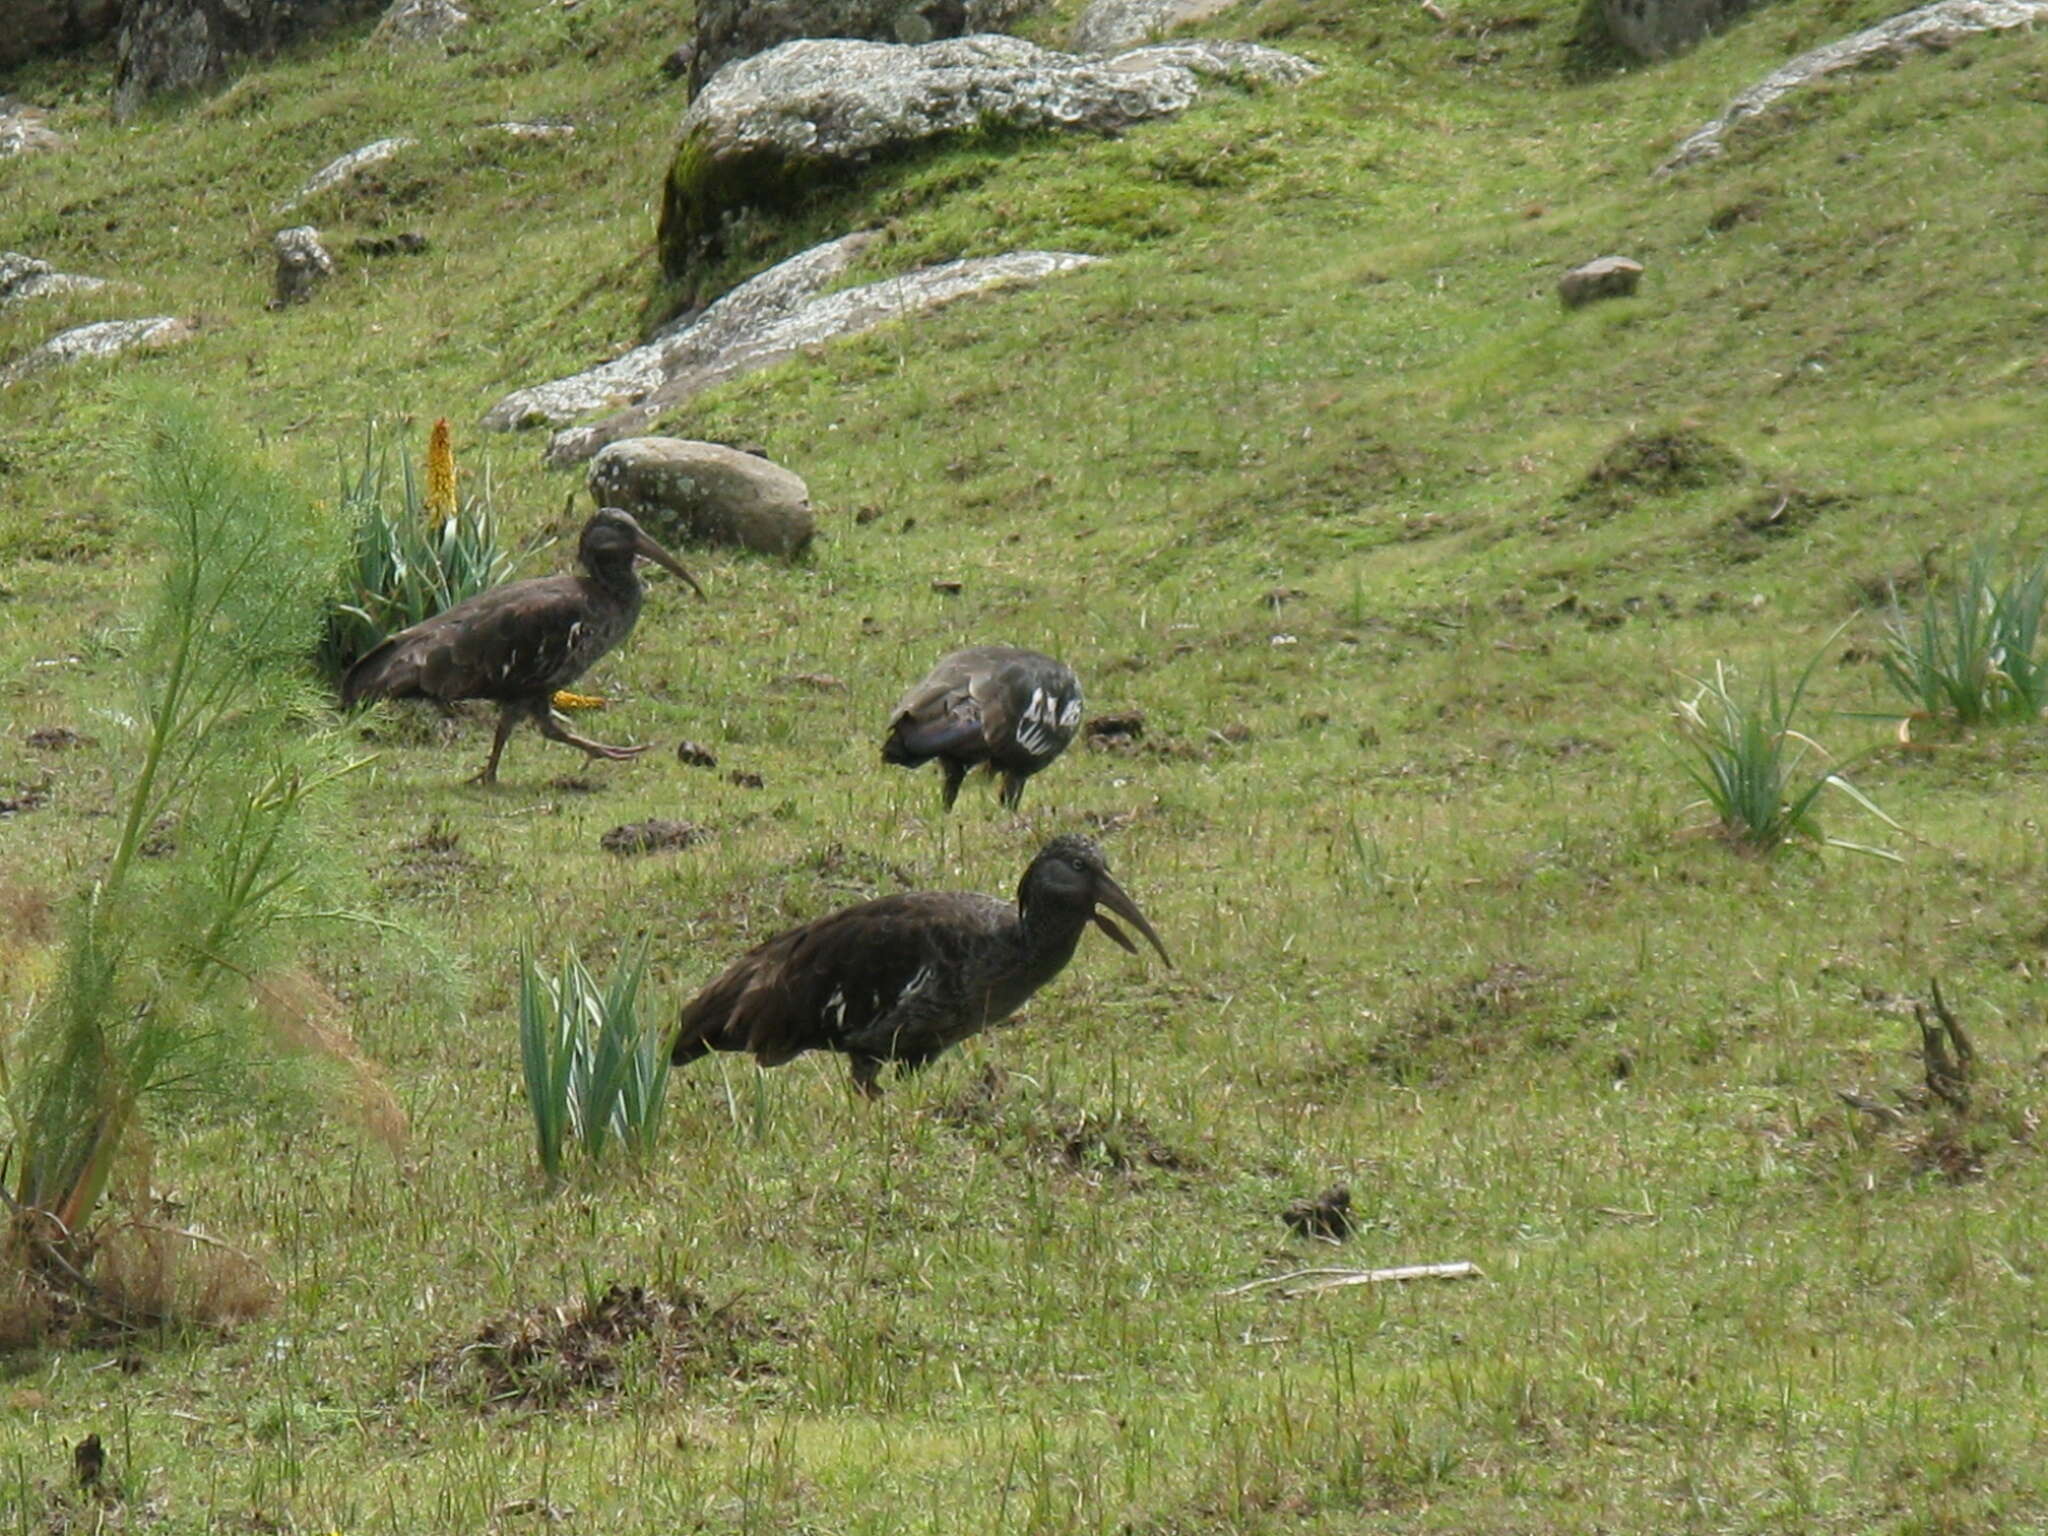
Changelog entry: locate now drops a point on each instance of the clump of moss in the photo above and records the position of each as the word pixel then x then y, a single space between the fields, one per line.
pixel 1645 466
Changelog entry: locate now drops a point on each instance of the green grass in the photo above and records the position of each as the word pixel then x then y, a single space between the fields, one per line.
pixel 1317 474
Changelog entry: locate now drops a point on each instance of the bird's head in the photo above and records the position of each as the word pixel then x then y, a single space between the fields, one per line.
pixel 1070 873
pixel 611 534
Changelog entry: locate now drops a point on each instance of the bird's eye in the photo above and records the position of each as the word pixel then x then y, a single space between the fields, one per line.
pixel 1079 866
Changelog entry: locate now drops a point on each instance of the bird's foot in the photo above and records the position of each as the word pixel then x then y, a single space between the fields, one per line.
pixel 613 754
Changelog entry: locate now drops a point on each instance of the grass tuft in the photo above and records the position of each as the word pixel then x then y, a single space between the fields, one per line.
pixel 1970 658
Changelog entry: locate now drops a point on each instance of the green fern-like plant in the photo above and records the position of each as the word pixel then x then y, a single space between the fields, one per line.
pixel 407 560
pixel 593 1073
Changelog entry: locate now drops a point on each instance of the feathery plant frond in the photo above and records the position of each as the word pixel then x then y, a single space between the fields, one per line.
pixel 150 996
pixel 409 560
pixel 1970 656
pixel 592 1072
pixel 1761 778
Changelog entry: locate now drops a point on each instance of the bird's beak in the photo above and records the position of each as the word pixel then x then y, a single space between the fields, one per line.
pixel 1112 896
pixel 646 547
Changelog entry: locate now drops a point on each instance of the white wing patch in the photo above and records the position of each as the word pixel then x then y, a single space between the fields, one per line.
pixel 1047 722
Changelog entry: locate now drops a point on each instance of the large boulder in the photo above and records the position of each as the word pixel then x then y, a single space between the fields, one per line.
pixel 24 277
pixel 107 338
pixel 48 26
pixel 1656 29
pixel 824 317
pixel 170 45
pixel 1931 27
pixel 739 29
pixel 1107 25
pixel 705 493
pixel 767 128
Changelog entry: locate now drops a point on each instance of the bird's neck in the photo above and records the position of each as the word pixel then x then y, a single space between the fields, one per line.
pixel 1049 936
pixel 615 575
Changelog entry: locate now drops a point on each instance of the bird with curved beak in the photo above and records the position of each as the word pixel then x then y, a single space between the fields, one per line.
pixel 909 976
pixel 518 643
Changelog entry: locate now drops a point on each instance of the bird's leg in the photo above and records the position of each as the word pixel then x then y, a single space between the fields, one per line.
pixel 865 1069
pixel 507 718
pixel 1012 791
pixel 956 775
pixel 552 728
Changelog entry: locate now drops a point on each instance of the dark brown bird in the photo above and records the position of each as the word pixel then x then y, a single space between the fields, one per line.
pixel 907 977
pixel 517 643
pixel 1010 711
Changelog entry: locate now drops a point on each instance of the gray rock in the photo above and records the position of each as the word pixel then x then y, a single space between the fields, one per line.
pixel 772 121
pixel 1930 27
pixel 107 338
pixel 347 167
pixel 1656 29
pixel 823 318
pixel 1107 25
pixel 533 130
pixel 24 277
pixel 302 264
pixel 705 493
pixel 22 130
pixel 169 45
pixel 54 26
pixel 411 22
pixel 695 341
pixel 739 29
pixel 1609 277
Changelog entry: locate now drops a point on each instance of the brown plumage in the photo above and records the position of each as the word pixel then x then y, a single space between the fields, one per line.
pixel 520 642
pixel 1008 710
pixel 906 977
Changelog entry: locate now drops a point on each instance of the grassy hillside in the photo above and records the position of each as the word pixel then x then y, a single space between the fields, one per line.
pixel 1405 567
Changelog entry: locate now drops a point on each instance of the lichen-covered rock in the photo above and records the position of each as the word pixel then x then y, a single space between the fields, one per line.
pixel 169 45
pixel 766 128
pixel 22 129
pixel 1107 25
pixel 53 26
pixel 419 21
pixel 1929 27
pixel 739 29
pixel 24 277
pixel 107 338
pixel 824 317
pixel 1608 277
pixel 302 264
pixel 706 493
pixel 1656 29
pixel 347 167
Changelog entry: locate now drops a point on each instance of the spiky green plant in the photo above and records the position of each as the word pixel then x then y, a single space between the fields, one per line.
pixel 592 1072
pixel 1761 778
pixel 1970 655
pixel 409 557
pixel 152 991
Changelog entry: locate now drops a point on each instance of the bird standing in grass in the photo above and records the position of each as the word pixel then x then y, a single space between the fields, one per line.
pixel 906 977
pixel 518 643
pixel 1011 711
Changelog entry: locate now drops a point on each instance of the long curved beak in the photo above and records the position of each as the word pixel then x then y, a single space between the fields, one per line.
pixel 1112 896
pixel 646 547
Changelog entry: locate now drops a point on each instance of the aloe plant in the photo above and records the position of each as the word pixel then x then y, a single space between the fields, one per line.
pixel 593 1074
pixel 1970 655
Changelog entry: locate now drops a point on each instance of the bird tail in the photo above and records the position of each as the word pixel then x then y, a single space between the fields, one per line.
pixel 386 672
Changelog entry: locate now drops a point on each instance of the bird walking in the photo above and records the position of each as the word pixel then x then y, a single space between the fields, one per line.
pixel 1011 711
pixel 518 643
pixel 906 977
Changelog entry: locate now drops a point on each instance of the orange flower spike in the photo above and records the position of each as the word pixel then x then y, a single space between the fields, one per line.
pixel 440 473
pixel 564 699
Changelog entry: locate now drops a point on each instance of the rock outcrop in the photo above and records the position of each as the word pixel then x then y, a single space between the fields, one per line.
pixel 705 493
pixel 302 265
pixel 24 277
pixel 739 29
pixel 1656 29
pixel 22 129
pixel 768 127
pixel 107 338
pixel 1930 27
pixel 1107 25
pixel 822 318
pixel 170 45
pixel 346 168
pixel 410 22
pixel 51 26
pixel 1608 277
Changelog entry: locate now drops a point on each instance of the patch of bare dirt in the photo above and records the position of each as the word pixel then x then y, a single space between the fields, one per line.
pixel 551 1355
pixel 656 836
pixel 1077 1139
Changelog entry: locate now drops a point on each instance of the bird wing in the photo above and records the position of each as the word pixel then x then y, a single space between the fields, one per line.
pixel 514 640
pixel 1041 710
pixel 834 980
pixel 940 717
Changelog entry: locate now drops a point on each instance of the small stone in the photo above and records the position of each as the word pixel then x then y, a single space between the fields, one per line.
pixel 656 836
pixel 823 682
pixel 691 755
pixel 22 130
pixel 1610 277
pixel 1117 730
pixel 302 264
pixel 947 585
pixel 407 243
pixel 747 780
pixel 57 738
pixel 104 338
pixel 419 21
